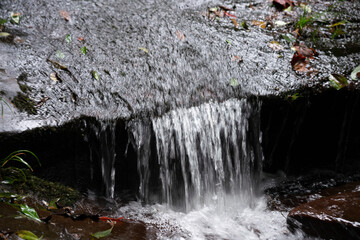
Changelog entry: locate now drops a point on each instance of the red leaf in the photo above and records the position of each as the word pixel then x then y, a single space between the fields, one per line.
pixel 305 51
pixel 229 15
pixel 111 219
pixel 65 15
pixel 282 4
pixel 299 62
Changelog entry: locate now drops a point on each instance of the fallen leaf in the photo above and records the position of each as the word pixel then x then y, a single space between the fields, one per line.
pixel 288 9
pixel 236 59
pixel 52 205
pixel 96 75
pixel 180 35
pixel 83 50
pixel 80 39
pixel 281 23
pixel 65 15
pixel 259 23
pixel 338 24
pixel 282 4
pixel 234 82
pixel 229 15
pixel 235 22
pixel 244 25
pixel 60 54
pixel 355 74
pixel 27 235
pixel 29 212
pixel 53 77
pixel 68 38
pixel 305 51
pixel 4 34
pixel 15 17
pixel 275 46
pixel 120 219
pixel 299 62
pixel 289 37
pixel 102 234
pixel 337 81
pixel 144 49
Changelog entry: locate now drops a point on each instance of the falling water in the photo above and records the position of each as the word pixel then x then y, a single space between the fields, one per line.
pixel 104 151
pixel 199 174
pixel 204 154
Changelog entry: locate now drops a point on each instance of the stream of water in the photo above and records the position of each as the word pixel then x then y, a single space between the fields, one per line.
pixel 202 178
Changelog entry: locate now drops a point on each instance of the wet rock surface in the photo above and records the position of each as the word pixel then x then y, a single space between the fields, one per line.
pixel 155 56
pixel 332 217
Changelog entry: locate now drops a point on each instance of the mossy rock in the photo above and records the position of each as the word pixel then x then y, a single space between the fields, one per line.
pixel 32 185
pixel 24 103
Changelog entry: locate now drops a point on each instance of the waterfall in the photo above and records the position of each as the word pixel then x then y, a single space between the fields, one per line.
pixel 103 153
pixel 201 155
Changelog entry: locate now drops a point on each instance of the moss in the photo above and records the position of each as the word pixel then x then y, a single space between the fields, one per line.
pixel 24 103
pixel 39 187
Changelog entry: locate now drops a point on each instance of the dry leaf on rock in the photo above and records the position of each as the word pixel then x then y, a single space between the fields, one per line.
pixel 305 51
pixel 282 4
pixel 299 62
pixel 259 23
pixel 180 35
pixel 65 15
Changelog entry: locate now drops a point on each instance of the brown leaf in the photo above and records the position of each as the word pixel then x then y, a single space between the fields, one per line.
pixel 180 35
pixel 259 23
pixel 236 59
pixel 275 46
pixel 299 62
pixel 282 4
pixel 305 51
pixel 235 22
pixel 65 15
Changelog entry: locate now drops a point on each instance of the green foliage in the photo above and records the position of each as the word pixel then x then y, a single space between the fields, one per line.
pixel 102 234
pixel 337 81
pixel 29 212
pixel 59 54
pixel 68 38
pixel 355 74
pixel 83 50
pixel 234 82
pixel 17 156
pixel 304 20
pixel 2 102
pixel 3 21
pixel 27 235
pixel 15 17
pixel 96 75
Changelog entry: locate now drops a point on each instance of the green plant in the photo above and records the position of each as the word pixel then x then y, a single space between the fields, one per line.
pixel 17 156
pixel 2 102
pixel 305 19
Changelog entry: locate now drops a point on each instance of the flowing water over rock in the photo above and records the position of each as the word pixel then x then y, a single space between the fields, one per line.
pixel 199 174
pixel 203 154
